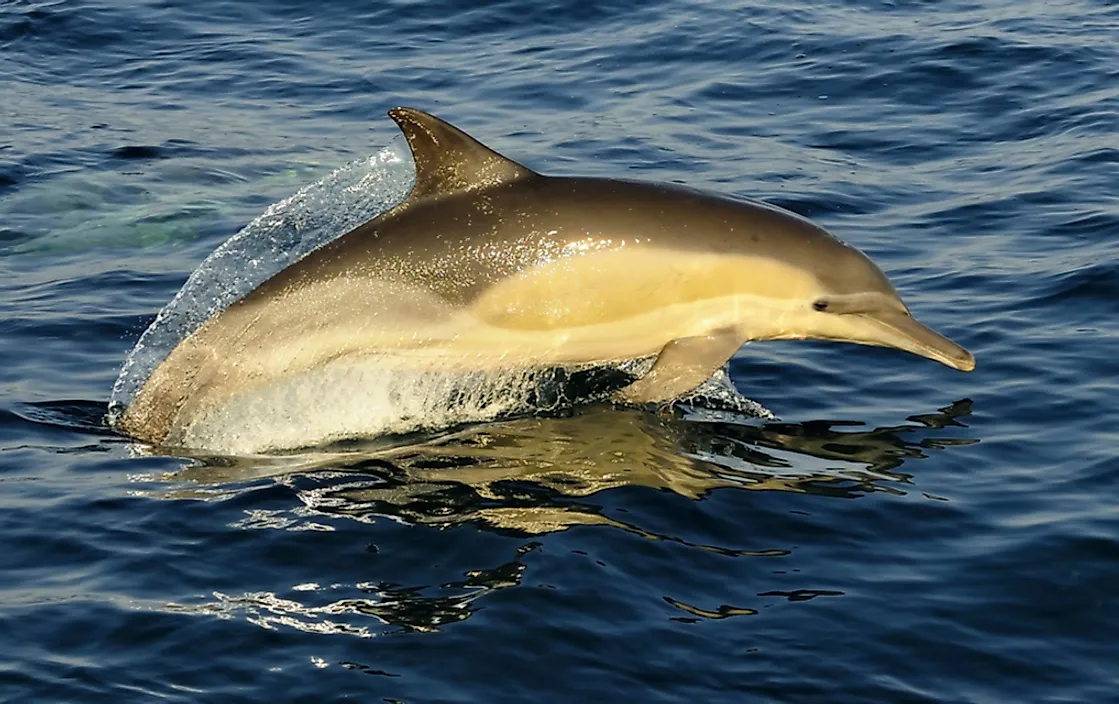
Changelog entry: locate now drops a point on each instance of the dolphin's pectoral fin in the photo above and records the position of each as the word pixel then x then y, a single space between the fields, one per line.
pixel 682 365
pixel 717 399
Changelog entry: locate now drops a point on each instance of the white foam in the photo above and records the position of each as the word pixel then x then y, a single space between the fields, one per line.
pixel 355 400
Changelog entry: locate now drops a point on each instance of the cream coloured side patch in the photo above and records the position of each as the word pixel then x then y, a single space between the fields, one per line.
pixel 602 287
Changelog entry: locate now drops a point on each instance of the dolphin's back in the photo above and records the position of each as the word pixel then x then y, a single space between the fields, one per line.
pixel 459 245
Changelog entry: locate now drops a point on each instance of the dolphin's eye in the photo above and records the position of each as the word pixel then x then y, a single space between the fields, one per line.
pixel 820 304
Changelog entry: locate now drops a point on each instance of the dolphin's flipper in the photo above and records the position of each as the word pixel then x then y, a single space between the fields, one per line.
pixel 682 365
pixel 717 399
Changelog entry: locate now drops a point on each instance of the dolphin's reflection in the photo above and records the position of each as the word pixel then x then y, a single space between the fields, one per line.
pixel 536 476
pixel 529 475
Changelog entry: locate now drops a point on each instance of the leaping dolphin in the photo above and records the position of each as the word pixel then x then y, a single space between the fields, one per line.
pixel 487 265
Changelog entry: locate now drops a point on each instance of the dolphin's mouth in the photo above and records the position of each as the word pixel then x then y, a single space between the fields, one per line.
pixel 905 333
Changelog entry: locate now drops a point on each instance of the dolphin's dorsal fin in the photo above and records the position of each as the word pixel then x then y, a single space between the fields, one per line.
pixel 448 160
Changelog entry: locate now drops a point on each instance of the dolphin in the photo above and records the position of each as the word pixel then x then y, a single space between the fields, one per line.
pixel 489 266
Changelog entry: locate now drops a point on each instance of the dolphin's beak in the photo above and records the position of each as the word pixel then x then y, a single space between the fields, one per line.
pixel 895 329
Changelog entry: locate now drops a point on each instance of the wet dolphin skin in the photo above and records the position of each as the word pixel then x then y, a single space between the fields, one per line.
pixel 487 265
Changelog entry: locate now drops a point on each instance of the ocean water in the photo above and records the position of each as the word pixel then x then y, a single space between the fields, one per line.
pixel 900 532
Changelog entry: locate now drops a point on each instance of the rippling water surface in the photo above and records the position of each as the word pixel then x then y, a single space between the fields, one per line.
pixel 901 532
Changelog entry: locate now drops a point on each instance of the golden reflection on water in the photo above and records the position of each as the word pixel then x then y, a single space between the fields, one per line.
pixel 534 476
pixel 515 471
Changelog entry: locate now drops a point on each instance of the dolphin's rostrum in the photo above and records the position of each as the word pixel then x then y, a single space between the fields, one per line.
pixel 488 266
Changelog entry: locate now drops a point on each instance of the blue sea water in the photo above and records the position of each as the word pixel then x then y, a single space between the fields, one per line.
pixel 902 532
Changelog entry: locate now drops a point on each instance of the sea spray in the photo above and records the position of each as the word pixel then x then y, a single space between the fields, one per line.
pixel 286 232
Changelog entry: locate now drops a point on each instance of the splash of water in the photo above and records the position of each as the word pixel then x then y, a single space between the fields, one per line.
pixel 283 234
pixel 380 396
